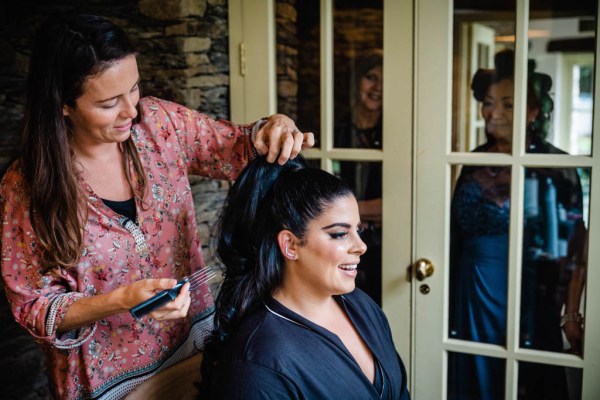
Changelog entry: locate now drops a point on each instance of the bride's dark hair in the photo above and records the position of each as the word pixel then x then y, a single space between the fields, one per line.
pixel 265 199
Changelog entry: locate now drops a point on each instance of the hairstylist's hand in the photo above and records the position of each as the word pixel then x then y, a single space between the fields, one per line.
pixel 280 136
pixel 144 289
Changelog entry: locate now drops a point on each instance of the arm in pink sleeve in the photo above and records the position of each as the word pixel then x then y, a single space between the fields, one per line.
pixel 38 300
pixel 216 149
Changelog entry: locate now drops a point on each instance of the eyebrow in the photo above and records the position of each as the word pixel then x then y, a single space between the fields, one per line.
pixel 337 224
pixel 487 96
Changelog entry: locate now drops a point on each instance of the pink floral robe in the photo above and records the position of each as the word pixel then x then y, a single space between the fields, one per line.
pixel 112 356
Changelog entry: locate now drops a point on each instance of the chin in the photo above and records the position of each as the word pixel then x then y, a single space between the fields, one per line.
pixel 347 290
pixel 120 138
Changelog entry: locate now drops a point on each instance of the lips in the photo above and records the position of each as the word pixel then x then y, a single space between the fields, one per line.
pixel 124 127
pixel 348 267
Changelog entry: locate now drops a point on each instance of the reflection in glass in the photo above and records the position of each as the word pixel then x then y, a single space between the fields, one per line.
pixel 554 258
pixel 479 254
pixel 480 218
pixel 549 382
pixel 481 29
pixel 494 89
pixel 464 384
pixel 365 180
pixel 562 43
pixel 358 73
pixel 299 63
pixel 361 125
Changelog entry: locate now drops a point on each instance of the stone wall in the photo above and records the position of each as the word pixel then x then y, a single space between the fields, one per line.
pixel 182 56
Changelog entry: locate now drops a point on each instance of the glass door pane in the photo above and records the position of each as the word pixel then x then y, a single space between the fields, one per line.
pixel 554 259
pixel 561 75
pixel 298 63
pixel 482 30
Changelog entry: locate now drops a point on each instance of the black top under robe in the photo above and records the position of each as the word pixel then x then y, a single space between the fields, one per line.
pixel 124 207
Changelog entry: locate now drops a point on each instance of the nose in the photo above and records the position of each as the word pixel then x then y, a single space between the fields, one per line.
pixel 129 109
pixel 359 247
pixel 497 112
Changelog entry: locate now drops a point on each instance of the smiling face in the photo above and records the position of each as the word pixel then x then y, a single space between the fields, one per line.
pixel 497 110
pixel 326 260
pixel 370 89
pixel 105 111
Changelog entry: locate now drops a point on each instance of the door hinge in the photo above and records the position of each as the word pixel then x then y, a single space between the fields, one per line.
pixel 242 59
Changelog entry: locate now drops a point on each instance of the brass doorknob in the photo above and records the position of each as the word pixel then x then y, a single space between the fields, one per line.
pixel 424 268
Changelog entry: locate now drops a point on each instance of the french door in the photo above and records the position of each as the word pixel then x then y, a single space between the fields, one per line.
pixel 510 269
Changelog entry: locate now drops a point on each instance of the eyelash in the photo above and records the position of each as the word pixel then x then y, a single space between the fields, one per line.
pixel 133 89
pixel 342 235
pixel 338 235
pixel 490 104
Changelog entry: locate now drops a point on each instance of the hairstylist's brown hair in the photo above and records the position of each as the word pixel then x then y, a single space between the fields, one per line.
pixel 68 49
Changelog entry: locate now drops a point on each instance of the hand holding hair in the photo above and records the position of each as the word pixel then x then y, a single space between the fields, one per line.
pixel 281 140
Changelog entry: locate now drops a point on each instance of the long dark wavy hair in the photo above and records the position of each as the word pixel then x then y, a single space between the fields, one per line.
pixel 538 88
pixel 265 199
pixel 69 48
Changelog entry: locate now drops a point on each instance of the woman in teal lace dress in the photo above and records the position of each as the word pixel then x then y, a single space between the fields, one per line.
pixel 480 239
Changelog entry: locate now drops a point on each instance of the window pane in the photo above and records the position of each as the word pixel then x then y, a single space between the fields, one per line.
pixel 475 377
pixel 548 382
pixel 481 112
pixel 479 254
pixel 358 73
pixel 365 180
pixel 561 74
pixel 299 63
pixel 554 258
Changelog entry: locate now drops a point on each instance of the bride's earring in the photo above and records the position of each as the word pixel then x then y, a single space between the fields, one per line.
pixel 289 255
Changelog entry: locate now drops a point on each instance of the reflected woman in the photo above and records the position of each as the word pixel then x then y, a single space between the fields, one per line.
pixel 553 247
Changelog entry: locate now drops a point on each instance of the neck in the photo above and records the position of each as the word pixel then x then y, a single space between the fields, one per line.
pixel 314 308
pixel 365 119
pixel 502 146
pixel 101 153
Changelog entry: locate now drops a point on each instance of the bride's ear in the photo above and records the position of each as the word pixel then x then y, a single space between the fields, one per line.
pixel 287 244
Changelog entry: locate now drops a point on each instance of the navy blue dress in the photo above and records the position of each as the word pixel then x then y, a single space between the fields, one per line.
pixel 479 272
